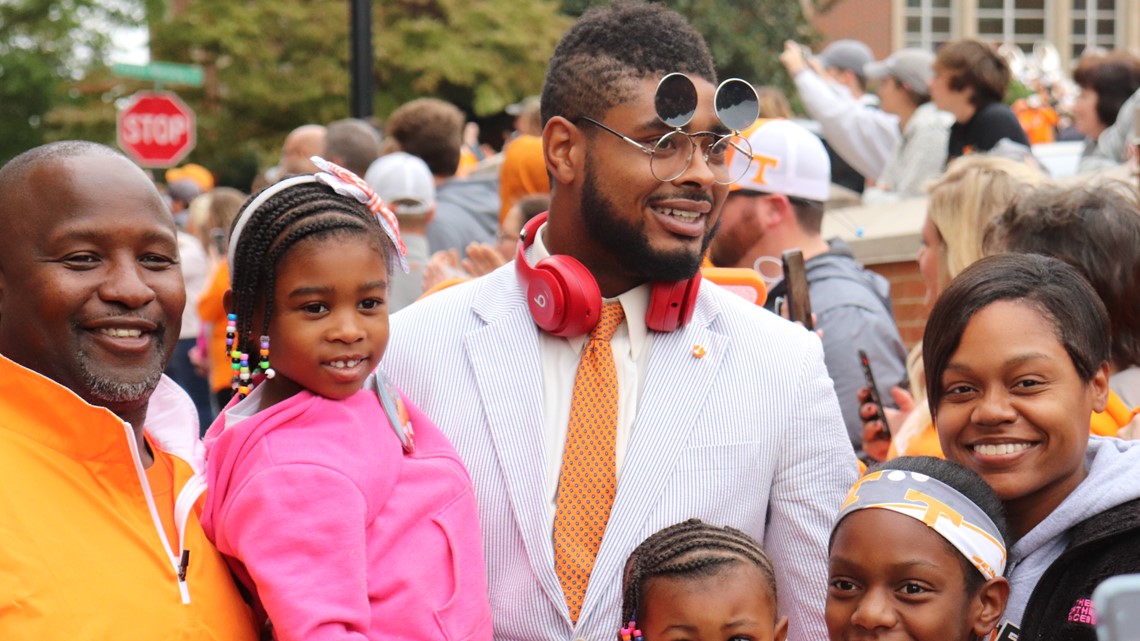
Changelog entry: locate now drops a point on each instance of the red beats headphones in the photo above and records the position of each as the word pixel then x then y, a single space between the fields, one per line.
pixel 564 298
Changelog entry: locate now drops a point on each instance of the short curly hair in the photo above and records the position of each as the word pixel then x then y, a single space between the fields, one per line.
pixel 608 48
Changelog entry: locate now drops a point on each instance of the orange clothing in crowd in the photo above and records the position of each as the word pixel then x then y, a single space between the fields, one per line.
pixel 90 546
pixel 1039 122
pixel 467 162
pixel 924 441
pixel 523 173
pixel 212 311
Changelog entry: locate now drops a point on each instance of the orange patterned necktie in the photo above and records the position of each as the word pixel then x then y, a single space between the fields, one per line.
pixel 587 482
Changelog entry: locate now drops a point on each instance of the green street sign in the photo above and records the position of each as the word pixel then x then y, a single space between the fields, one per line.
pixel 162 72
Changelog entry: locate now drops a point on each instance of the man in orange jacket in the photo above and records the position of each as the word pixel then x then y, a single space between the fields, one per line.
pixel 100 466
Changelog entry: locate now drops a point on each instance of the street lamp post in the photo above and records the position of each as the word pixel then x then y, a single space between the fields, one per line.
pixel 360 58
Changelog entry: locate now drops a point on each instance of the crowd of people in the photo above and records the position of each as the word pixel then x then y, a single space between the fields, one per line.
pixel 212 428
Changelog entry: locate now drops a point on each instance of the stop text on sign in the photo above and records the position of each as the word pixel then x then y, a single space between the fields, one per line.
pixel 156 129
pixel 151 129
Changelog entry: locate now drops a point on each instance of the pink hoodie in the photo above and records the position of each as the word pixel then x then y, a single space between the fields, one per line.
pixel 338 533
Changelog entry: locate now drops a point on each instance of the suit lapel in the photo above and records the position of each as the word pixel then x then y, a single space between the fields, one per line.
pixel 676 389
pixel 499 352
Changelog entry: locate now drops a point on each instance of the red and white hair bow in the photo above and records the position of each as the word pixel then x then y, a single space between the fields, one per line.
pixel 346 183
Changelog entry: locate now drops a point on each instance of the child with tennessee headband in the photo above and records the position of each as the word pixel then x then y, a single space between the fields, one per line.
pixel 918 552
pixel 341 508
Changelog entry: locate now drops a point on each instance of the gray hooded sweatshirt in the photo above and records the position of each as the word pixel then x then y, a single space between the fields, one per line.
pixel 1114 478
pixel 853 308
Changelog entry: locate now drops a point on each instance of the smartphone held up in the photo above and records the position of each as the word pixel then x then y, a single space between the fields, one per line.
pixel 873 391
pixel 797 298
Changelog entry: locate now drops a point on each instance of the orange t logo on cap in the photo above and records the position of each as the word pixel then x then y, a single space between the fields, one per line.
pixel 763 162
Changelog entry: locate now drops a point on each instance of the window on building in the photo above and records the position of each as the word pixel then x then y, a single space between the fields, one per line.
pixel 930 23
pixel 1094 25
pixel 1019 22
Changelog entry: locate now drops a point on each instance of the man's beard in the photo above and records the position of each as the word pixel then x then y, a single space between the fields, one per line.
pixel 106 389
pixel 628 243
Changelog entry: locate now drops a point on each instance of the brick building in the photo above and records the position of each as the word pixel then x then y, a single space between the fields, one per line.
pixel 1071 25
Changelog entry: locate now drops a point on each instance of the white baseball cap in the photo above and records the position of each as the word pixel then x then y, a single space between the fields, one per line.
pixel 912 67
pixel 786 159
pixel 403 182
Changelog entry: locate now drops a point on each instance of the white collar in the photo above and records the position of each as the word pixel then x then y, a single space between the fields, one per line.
pixel 635 302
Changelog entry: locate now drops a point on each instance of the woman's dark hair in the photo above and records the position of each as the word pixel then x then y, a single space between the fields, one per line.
pixel 1097 231
pixel 1114 78
pixel 970 485
pixel 1053 288
pixel 689 549
pixel 300 212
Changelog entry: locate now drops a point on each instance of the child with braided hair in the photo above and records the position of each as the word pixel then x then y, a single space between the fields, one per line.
pixel 700 582
pixel 341 508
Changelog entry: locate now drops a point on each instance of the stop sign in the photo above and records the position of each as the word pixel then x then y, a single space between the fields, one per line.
pixel 156 129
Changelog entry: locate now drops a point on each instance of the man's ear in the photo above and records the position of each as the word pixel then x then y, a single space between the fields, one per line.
pixel 775 209
pixel 564 150
pixel 988 605
pixel 228 301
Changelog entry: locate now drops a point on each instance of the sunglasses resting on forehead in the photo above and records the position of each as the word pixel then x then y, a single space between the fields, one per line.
pixel 737 106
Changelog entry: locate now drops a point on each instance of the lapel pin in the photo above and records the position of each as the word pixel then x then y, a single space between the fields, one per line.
pixel 699 351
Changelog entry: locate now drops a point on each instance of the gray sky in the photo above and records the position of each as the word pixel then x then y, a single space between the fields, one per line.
pixel 131 46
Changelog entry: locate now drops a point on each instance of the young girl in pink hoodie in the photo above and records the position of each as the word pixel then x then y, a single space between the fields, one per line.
pixel 341 508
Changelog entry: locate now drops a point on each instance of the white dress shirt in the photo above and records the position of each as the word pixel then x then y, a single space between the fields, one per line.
pixel 560 357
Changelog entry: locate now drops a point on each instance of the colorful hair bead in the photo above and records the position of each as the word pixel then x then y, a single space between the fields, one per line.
pixel 264 364
pixel 630 632
pixel 231 347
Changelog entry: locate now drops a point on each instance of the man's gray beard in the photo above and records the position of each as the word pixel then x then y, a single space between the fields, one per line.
pixel 110 391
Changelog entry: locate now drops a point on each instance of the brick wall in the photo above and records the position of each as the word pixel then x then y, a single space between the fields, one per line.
pixel 865 20
pixel 908 294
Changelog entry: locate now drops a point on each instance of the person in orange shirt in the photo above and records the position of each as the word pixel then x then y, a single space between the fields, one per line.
pixel 225 203
pixel 101 470
pixel 1037 118
pixel 523 173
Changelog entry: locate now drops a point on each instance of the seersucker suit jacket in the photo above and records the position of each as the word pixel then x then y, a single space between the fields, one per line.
pixel 748 435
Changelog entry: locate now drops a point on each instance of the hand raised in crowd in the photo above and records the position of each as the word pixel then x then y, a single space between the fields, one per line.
pixel 785 313
pixel 482 259
pixel 795 59
pixel 875 443
pixel 442 266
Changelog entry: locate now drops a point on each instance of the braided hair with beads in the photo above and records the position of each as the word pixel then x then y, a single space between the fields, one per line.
pixel 692 548
pixel 275 225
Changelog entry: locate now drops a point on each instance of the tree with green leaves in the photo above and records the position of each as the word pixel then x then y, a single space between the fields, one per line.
pixel 270 65
pixel 745 37
pixel 47 48
pixel 273 65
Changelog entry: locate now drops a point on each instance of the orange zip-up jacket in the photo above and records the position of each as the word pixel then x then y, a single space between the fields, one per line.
pixel 84 552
